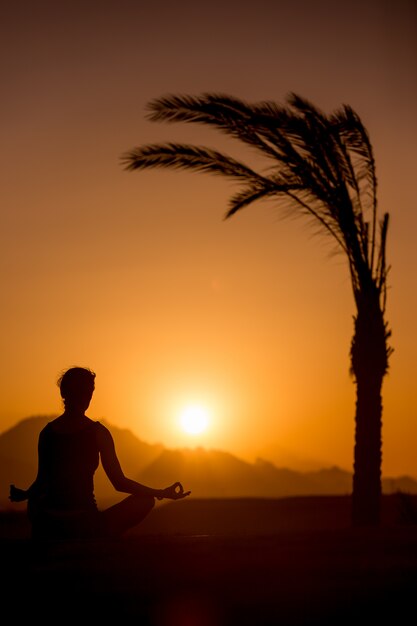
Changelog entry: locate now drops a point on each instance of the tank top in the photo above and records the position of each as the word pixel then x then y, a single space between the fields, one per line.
pixel 68 462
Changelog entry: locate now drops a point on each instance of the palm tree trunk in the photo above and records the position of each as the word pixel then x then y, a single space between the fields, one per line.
pixel 369 356
pixel 367 490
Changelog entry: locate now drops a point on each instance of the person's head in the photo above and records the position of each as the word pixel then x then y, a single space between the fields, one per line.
pixel 77 386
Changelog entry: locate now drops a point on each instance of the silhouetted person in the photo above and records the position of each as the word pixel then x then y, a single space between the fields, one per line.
pixel 61 501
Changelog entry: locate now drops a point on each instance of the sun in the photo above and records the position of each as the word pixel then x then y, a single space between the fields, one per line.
pixel 194 419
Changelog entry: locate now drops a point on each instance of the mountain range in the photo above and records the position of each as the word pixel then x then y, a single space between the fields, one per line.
pixel 207 473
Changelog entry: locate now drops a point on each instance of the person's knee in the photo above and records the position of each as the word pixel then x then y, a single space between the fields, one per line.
pixel 144 503
pixel 149 502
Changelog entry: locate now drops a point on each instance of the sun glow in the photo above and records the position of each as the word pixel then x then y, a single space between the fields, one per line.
pixel 194 419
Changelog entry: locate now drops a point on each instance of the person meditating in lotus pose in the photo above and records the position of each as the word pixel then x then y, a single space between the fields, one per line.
pixel 61 500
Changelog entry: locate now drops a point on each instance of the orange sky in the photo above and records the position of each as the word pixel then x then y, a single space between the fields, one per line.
pixel 137 276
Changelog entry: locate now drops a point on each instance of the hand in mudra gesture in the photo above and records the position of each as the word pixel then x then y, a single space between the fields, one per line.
pixel 17 495
pixel 174 492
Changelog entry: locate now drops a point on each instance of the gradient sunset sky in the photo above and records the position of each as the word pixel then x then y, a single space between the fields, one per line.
pixel 137 276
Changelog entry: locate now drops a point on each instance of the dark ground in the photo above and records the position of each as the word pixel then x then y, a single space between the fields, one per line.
pixel 291 562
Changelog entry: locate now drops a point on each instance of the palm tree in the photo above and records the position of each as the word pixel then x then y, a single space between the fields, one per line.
pixel 323 167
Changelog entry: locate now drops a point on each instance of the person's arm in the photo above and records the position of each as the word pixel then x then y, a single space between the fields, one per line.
pixel 120 482
pixel 20 495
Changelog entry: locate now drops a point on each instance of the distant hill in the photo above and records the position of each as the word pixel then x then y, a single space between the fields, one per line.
pixel 208 473
pixel 213 474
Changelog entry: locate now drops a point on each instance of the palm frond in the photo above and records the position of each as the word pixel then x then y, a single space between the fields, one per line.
pixel 381 268
pixel 273 130
pixel 183 156
pixel 246 197
pixel 208 108
pixel 356 139
pixel 323 165
pixel 231 116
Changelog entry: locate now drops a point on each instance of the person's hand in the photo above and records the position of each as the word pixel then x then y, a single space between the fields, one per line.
pixel 175 492
pixel 17 495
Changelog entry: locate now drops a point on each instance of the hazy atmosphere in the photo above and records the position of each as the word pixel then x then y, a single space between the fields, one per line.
pixel 137 275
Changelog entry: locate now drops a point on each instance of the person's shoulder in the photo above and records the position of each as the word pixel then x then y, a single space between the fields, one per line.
pixel 103 433
pixel 53 421
pixel 101 427
pixel 48 427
